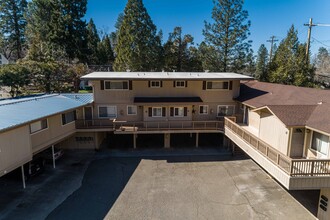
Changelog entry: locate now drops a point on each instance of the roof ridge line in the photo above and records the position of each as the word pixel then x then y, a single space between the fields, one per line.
pixel 30 99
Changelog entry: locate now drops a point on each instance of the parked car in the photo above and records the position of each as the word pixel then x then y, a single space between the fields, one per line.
pixel 31 169
pixel 34 167
pixel 48 154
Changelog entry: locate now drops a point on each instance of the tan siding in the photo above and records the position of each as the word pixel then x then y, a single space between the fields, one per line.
pixel 122 98
pixel 273 132
pixel 254 119
pixel 15 149
pixel 54 133
pixel 321 214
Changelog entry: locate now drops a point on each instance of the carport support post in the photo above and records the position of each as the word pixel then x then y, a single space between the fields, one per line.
pixel 197 139
pixel 53 155
pixel 167 140
pixel 134 141
pixel 23 176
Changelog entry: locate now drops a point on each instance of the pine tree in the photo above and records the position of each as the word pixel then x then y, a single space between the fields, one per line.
pixel 12 26
pixel 227 37
pixel 261 73
pixel 138 47
pixel 75 43
pixel 44 31
pixel 176 49
pixel 289 65
pixel 105 52
pixel 93 40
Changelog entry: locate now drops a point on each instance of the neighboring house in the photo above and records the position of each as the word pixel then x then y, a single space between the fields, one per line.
pixel 162 102
pixel 3 60
pixel 286 129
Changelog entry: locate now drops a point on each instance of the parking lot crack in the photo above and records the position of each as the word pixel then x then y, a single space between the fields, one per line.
pixel 245 196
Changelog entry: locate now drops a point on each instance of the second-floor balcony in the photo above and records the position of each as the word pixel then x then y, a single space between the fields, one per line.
pixel 151 126
pixel 291 173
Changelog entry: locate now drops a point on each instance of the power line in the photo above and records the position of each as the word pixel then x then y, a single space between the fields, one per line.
pixel 320 42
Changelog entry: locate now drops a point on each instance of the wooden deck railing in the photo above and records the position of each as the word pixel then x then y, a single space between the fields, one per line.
pixel 293 167
pixel 150 125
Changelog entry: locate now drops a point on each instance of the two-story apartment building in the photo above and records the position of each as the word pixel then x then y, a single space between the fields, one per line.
pixel 162 102
pixel 286 129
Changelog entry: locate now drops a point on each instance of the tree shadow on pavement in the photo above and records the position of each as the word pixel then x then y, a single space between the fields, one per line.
pixel 103 182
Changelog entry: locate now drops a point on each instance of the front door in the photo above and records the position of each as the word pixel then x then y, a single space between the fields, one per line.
pixel 297 143
pixel 88 113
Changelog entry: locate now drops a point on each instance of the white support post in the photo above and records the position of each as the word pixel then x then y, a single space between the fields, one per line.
pixel 23 176
pixel 53 156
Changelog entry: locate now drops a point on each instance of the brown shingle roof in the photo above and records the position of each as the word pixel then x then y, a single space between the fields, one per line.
pixel 291 104
pixel 292 115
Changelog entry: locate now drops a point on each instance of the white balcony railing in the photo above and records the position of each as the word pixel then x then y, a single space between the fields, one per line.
pixel 293 167
pixel 149 125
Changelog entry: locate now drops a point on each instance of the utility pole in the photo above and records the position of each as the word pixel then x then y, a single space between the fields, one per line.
pixel 310 25
pixel 272 40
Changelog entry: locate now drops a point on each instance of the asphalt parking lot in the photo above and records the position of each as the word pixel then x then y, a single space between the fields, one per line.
pixel 185 184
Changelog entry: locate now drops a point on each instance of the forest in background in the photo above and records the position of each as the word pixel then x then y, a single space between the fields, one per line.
pixel 50 46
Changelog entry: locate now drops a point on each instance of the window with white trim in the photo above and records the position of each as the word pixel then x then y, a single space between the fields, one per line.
pixel 203 109
pixel 38 126
pixel 320 143
pixel 157 112
pixel 217 85
pixel 68 117
pixel 225 110
pixel 155 84
pixel 116 85
pixel 108 111
pixel 131 110
pixel 178 111
pixel 180 84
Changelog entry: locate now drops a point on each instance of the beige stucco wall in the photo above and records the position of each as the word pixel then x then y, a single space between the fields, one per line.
pixel 54 133
pixel 122 98
pixel 83 140
pixel 274 132
pixel 15 149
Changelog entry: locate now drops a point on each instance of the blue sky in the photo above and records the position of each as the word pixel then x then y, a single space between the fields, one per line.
pixel 268 17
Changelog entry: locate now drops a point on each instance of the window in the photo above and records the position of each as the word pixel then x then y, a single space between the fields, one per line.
pixel 178 111
pixel 38 126
pixel 107 111
pixel 68 117
pixel 180 84
pixel 157 112
pixel 131 110
pixel 225 110
pixel 117 85
pixel 217 85
pixel 320 143
pixel 155 84
pixel 203 109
